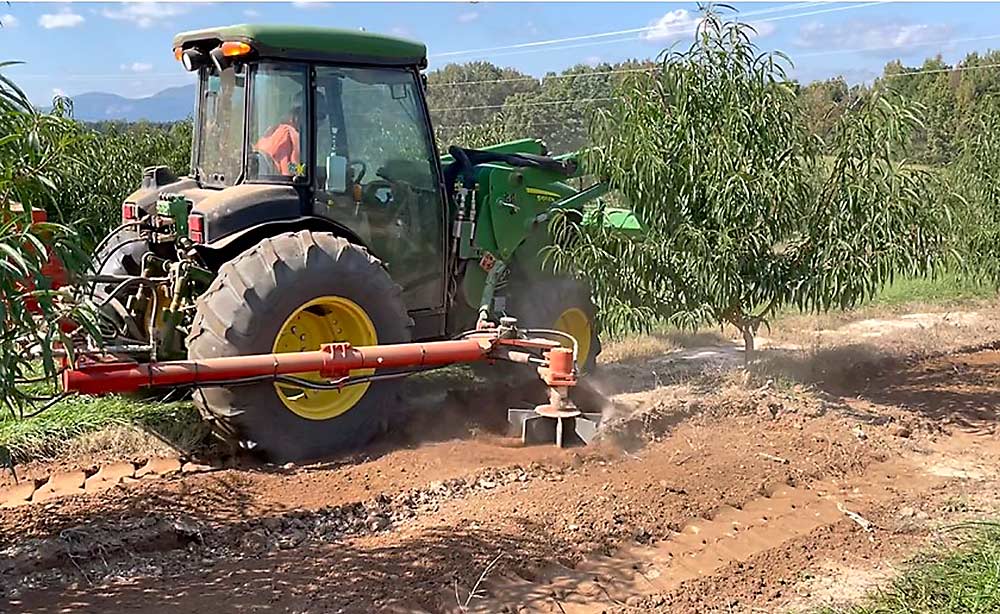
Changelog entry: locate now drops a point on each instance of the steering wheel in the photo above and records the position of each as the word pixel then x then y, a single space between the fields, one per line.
pixel 392 200
pixel 379 193
pixel 263 164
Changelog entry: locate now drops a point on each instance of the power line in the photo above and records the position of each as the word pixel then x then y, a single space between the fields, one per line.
pixel 599 34
pixel 611 98
pixel 653 68
pixel 546 77
pixel 535 46
pixel 930 71
pixel 558 122
pixel 523 104
pixel 633 38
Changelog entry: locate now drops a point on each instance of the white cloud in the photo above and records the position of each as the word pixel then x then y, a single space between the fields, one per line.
pixel 8 21
pixel 876 37
pixel 468 17
pixel 251 13
pixel 137 67
pixel 399 31
pixel 309 4
pixel 592 60
pixel 58 92
pixel 672 26
pixel 681 24
pixel 763 28
pixel 145 14
pixel 65 19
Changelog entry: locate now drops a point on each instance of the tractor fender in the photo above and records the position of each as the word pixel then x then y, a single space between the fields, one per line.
pixel 237 208
pixel 215 254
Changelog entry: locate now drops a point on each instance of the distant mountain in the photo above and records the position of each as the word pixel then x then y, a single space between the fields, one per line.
pixel 172 104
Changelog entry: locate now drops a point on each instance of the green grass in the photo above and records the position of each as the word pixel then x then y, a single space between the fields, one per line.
pixel 964 579
pixel 943 289
pixel 54 430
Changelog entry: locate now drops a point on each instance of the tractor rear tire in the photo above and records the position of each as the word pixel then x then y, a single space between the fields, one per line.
pixel 249 308
pixel 554 302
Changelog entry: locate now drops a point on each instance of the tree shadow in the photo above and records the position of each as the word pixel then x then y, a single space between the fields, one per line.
pixel 418 573
pixel 960 388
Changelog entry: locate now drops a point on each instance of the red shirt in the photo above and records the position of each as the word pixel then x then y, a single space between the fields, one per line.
pixel 282 144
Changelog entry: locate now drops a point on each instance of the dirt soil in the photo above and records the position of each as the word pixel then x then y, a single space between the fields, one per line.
pixel 711 491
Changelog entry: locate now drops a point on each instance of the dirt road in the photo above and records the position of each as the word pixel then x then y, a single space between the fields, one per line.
pixel 720 497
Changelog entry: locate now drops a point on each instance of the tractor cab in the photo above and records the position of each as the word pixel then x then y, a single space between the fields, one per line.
pixel 294 123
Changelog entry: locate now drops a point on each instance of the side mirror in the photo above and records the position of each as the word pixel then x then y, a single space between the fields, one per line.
pixel 336 174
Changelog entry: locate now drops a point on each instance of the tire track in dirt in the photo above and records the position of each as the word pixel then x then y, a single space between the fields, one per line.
pixel 98 479
pixel 701 548
pixel 107 541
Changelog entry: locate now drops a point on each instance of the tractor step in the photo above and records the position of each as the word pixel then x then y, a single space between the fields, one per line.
pixel 569 427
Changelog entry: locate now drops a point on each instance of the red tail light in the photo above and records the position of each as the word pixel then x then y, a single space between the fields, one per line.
pixel 130 212
pixel 196 227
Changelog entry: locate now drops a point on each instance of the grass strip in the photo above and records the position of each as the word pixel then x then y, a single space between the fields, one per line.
pixel 964 578
pixel 49 433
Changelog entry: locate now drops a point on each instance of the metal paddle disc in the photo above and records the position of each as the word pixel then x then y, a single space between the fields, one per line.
pixel 547 424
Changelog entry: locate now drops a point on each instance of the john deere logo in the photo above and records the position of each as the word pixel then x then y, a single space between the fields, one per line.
pixel 543 196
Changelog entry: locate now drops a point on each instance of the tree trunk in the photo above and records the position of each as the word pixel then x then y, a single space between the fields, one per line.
pixel 748 347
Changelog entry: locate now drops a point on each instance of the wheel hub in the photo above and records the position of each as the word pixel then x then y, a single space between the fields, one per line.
pixel 324 320
pixel 575 322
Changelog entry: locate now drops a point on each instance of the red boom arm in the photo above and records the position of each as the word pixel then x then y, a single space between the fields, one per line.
pixel 334 360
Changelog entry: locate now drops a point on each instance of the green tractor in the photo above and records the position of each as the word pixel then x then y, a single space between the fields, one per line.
pixel 318 210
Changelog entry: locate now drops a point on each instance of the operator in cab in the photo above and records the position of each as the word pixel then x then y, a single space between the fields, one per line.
pixel 282 142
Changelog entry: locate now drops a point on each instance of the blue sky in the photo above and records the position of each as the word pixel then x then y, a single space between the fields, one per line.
pixel 125 48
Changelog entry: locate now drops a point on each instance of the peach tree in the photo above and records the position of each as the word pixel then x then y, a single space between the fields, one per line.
pixel 35 149
pixel 742 215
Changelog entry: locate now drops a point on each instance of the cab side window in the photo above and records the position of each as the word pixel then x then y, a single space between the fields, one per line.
pixel 376 172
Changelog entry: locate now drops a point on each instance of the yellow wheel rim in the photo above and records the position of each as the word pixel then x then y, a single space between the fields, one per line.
pixel 324 320
pixel 575 322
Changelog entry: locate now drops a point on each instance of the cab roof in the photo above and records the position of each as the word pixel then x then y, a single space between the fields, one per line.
pixel 312 43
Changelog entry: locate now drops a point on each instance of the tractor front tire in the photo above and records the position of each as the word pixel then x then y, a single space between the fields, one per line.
pixel 294 292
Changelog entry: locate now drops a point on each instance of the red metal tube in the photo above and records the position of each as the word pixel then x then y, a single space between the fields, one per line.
pixel 332 361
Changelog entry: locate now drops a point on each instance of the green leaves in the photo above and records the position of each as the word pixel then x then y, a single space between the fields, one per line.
pixel 35 156
pixel 80 177
pixel 975 179
pixel 714 154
